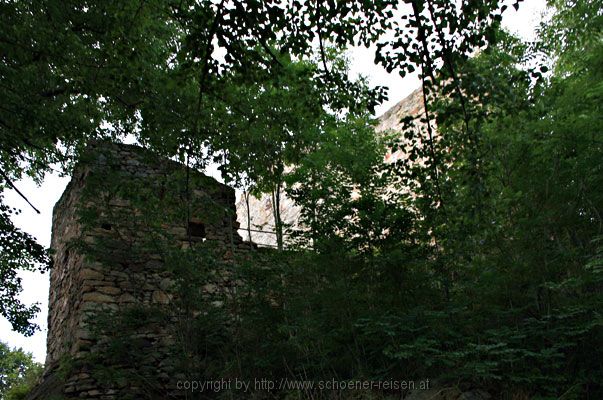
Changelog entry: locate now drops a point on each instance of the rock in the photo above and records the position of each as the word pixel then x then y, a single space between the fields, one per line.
pixel 178 231
pixel 91 274
pixel 96 297
pixel 110 290
pixel 81 287
pixel 85 386
pixel 160 297
pixel 154 264
pixel 126 298
pixel 166 284
pixel 85 334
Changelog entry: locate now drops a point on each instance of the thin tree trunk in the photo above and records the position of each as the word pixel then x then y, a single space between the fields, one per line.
pixel 279 227
pixel 246 195
pixel 277 216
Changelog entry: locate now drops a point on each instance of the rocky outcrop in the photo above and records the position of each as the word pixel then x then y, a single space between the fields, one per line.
pixel 262 218
pixel 411 105
pixel 260 209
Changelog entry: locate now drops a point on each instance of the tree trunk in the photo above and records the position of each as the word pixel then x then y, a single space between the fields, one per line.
pixel 277 216
pixel 246 194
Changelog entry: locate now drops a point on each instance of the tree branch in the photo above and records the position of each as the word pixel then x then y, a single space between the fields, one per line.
pixel 322 49
pixel 11 184
pixel 207 56
pixel 424 68
pixel 269 51
pixel 449 66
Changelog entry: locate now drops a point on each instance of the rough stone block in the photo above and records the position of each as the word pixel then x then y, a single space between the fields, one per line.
pixel 97 297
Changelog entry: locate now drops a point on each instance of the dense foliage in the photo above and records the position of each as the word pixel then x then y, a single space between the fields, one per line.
pixel 18 373
pixel 20 251
pixel 476 259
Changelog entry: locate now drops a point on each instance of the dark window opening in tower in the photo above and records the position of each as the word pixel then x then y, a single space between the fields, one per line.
pixel 196 229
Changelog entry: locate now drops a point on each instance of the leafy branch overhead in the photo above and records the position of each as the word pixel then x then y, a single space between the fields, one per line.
pixel 473 256
pixel 184 77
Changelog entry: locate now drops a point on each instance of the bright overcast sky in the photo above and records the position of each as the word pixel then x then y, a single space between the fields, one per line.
pixel 522 22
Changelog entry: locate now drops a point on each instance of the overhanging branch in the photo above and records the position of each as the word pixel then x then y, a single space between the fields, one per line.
pixel 12 185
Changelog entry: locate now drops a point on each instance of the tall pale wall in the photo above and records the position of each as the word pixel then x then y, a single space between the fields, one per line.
pixel 261 209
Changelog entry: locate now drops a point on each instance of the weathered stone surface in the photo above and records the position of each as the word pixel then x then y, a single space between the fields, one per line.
pixel 126 298
pixel 84 286
pixel 166 284
pixel 91 274
pixel 161 297
pixel 154 264
pixel 411 105
pixel 85 334
pixel 81 286
pixel 110 290
pixel 96 297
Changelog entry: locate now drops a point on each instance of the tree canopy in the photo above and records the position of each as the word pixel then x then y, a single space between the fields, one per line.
pixel 173 74
pixel 476 258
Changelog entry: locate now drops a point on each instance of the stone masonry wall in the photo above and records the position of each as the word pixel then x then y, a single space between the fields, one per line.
pixel 107 232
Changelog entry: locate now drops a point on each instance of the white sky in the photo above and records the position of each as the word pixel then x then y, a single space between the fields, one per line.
pixel 35 285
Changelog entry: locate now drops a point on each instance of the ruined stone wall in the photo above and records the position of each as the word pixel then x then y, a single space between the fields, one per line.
pixel 121 206
pixel 65 277
pixel 97 210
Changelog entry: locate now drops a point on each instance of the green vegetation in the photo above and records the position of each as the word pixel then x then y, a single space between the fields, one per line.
pixel 18 373
pixel 477 261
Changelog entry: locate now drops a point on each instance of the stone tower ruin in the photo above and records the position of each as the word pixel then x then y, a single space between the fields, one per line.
pixel 110 232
